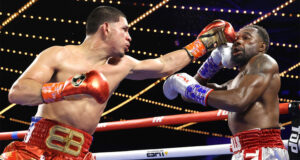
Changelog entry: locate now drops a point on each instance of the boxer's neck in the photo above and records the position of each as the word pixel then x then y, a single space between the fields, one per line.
pixel 95 49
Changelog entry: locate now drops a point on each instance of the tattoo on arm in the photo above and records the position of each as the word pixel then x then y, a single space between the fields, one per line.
pixel 259 66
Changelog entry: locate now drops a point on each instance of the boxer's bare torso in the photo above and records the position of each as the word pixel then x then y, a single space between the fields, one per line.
pixel 83 113
pixel 57 64
pixel 252 96
pixel 264 112
pixel 48 81
pixel 103 51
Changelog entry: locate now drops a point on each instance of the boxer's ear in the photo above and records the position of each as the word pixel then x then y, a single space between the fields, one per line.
pixel 104 28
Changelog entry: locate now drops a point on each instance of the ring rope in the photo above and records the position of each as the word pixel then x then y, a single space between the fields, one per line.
pixel 153 9
pixel 283 5
pixel 286 123
pixel 133 97
pixel 162 153
pixel 7 108
pixel 153 121
pixel 16 14
pixel 185 125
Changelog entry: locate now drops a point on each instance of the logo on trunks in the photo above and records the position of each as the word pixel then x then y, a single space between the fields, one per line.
pixel 235 144
pixel 71 143
pixel 78 79
pixel 156 153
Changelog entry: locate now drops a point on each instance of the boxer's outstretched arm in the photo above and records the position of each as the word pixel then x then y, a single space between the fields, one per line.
pixel 213 35
pixel 159 67
pixel 27 88
pixel 249 89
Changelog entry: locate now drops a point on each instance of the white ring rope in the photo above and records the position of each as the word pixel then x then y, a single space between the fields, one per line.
pixel 220 149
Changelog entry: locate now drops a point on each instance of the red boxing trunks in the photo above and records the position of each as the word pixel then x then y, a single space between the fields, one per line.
pixel 258 144
pixel 47 139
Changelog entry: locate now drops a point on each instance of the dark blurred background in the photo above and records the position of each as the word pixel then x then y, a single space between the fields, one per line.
pixel 60 22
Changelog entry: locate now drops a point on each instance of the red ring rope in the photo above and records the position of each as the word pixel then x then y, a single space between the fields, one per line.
pixel 153 121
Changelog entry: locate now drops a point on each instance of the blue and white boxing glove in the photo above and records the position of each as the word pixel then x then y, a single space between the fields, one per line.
pixel 219 58
pixel 187 86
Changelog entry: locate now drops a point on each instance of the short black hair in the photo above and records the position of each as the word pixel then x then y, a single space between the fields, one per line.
pixel 262 32
pixel 100 15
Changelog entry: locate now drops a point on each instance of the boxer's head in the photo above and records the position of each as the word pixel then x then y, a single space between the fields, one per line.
pixel 111 25
pixel 250 41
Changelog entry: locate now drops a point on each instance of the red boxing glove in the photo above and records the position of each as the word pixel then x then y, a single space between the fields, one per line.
pixel 92 83
pixel 213 35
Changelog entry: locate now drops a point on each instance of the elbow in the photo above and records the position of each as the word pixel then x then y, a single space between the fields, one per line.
pixel 15 94
pixel 168 72
pixel 22 94
pixel 11 97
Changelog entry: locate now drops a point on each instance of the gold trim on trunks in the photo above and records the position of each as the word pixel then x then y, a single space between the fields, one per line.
pixel 68 140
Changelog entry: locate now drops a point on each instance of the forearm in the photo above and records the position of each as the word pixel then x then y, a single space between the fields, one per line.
pixel 229 100
pixel 174 61
pixel 26 92
pixel 216 86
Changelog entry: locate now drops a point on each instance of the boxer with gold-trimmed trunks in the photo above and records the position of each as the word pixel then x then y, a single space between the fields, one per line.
pixel 71 84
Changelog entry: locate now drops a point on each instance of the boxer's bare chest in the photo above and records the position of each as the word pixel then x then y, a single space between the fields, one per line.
pixel 113 72
pixel 236 81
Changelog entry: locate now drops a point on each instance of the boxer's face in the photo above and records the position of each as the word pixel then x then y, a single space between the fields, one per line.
pixel 245 46
pixel 119 37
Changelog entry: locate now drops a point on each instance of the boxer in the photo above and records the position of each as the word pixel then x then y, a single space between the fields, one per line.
pixel 251 97
pixel 72 84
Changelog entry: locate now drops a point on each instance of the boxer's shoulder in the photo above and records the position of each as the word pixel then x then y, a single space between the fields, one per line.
pixel 262 63
pixel 54 49
pixel 54 53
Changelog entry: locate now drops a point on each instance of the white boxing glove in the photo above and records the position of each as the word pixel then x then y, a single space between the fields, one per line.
pixel 219 58
pixel 177 83
pixel 225 51
pixel 187 86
